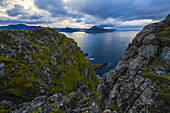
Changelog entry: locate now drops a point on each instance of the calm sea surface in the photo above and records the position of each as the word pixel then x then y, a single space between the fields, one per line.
pixel 103 47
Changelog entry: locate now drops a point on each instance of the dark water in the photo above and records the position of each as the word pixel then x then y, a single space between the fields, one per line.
pixel 104 47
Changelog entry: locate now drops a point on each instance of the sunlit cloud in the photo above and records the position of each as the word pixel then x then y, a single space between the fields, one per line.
pixel 83 13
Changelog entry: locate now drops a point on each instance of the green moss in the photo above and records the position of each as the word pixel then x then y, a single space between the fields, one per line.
pixel 4 58
pixel 157 61
pixel 24 74
pixel 57 41
pixel 63 48
pixel 84 98
pixel 33 41
pixel 146 73
pixel 113 107
pixel 165 39
pixel 11 35
pixel 60 35
pixel 97 66
pixel 66 43
pixel 67 99
pixel 5 110
pixel 55 110
pixel 27 31
pixel 37 110
pixel 166 31
pixel 163 81
pixel 97 93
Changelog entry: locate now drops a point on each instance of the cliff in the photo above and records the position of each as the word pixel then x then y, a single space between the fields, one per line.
pixel 40 62
pixel 141 81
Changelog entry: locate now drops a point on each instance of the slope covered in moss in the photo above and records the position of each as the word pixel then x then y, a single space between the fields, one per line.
pixel 41 62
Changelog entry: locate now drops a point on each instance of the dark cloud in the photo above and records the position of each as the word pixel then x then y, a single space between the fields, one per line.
pixel 3 3
pixel 55 7
pixel 93 11
pixel 79 20
pixel 17 21
pixel 17 10
pixel 122 9
pixel 35 16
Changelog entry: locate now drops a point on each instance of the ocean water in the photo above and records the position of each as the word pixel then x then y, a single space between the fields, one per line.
pixel 103 47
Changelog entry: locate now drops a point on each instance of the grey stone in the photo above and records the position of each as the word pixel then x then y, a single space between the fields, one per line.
pixel 148 97
pixel 148 51
pixel 2 65
pixel 165 55
pixel 2 73
pixel 146 83
pixel 149 39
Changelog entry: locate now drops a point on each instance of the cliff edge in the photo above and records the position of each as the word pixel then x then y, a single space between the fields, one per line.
pixel 141 81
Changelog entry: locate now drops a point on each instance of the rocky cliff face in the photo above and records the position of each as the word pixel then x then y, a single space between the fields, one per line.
pixel 40 62
pixel 141 81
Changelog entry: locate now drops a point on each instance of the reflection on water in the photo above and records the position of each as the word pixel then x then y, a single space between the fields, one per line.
pixel 103 47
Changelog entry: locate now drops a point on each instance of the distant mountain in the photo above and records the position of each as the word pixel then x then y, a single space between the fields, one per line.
pixel 96 29
pixel 19 26
pixel 67 29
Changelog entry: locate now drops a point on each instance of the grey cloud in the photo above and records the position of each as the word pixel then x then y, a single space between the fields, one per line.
pixel 17 10
pixel 79 20
pixel 11 21
pixel 35 16
pixel 3 3
pixel 122 9
pixel 95 11
pixel 55 7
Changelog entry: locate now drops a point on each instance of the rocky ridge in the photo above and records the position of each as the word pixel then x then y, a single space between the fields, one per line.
pixel 141 81
pixel 40 62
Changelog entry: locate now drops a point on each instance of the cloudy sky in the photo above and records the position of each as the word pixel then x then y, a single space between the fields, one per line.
pixel 83 13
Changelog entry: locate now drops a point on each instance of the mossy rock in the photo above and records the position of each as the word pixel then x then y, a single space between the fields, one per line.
pixel 41 62
pixel 55 110
pixel 114 107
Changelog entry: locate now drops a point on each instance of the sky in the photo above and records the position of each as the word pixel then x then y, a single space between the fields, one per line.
pixel 119 14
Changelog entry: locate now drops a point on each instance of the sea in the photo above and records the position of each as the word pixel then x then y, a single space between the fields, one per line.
pixel 103 47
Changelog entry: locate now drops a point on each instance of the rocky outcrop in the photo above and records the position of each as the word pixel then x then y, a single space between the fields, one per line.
pixel 100 66
pixel 80 101
pixel 140 83
pixel 40 62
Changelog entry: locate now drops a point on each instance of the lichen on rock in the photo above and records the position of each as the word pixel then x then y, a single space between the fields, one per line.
pixel 41 62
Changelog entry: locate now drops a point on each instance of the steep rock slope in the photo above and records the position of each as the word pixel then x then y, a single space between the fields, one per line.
pixel 141 81
pixel 40 62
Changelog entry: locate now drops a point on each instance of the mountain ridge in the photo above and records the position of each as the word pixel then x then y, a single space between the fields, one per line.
pixel 96 29
pixel 19 27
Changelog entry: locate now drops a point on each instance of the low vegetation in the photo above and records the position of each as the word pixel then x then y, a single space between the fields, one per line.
pixel 41 62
